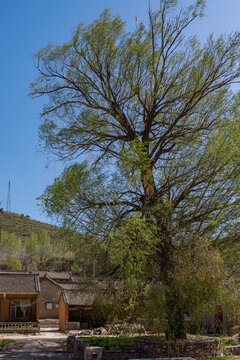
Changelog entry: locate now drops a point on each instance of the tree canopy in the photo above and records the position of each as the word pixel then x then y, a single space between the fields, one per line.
pixel 153 122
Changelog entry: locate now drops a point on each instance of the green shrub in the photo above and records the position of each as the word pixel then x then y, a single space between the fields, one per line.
pixel 4 342
pixel 102 311
pixel 228 341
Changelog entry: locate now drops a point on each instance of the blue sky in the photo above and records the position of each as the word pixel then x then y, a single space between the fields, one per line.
pixel 25 27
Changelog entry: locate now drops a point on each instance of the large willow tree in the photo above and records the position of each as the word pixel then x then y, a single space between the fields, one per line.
pixel 152 120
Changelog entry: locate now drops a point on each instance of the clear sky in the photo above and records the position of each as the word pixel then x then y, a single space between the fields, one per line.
pixel 25 27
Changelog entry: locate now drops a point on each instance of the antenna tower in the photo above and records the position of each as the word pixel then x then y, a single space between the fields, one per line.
pixel 9 198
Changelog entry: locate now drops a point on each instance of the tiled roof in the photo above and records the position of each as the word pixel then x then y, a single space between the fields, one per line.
pixel 54 275
pixel 13 272
pixel 70 286
pixel 39 273
pixel 19 283
pixel 71 297
pixel 59 275
pixel 50 279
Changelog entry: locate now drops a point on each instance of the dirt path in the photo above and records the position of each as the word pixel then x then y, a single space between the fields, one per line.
pixel 46 345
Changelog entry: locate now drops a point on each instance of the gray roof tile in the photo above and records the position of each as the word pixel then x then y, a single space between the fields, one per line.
pixel 19 283
pixel 54 274
pixel 72 297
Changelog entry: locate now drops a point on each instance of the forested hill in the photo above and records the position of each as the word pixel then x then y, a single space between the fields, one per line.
pixel 22 226
pixel 32 245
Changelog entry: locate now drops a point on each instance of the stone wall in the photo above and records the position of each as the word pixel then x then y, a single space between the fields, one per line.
pixel 150 347
pixel 154 347
pixel 232 350
pixel 233 330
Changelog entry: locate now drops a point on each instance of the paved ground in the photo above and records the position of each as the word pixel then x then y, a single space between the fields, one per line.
pixel 46 345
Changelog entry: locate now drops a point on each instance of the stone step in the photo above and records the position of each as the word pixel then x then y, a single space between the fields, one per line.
pixel 51 323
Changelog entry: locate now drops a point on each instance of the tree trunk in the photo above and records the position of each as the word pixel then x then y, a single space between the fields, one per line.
pixel 175 315
pixel 175 308
pixel 154 206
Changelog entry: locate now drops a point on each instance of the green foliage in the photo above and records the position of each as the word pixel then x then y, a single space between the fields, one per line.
pixel 31 244
pixel 133 245
pixel 117 302
pixel 76 185
pixel 4 342
pixel 155 308
pixel 14 264
pixel 155 116
pixel 40 250
pixel 228 341
pixel 11 240
pixel 103 310
pixel 200 273
pixel 44 245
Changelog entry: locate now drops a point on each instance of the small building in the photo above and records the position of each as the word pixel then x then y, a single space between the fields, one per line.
pixel 74 309
pixel 51 283
pixel 19 302
pixel 49 298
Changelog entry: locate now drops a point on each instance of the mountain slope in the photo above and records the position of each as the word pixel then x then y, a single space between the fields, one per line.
pixel 23 226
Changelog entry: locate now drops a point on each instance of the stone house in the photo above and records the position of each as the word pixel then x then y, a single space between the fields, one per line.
pixel 19 302
pixel 28 297
pixel 49 298
pixel 74 309
pixel 51 285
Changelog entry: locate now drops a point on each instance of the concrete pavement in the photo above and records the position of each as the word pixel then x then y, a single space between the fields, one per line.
pixel 46 345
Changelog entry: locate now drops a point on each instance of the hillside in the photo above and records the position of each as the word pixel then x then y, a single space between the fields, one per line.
pixel 32 245
pixel 23 226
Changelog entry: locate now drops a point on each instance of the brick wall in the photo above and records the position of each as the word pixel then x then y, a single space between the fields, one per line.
pixel 49 293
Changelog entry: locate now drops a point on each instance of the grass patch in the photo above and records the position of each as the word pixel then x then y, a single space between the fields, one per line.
pixel 121 342
pixel 4 342
pixel 228 341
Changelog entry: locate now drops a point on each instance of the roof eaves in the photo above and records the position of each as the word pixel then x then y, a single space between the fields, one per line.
pixel 50 279
pixel 64 296
pixel 37 283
